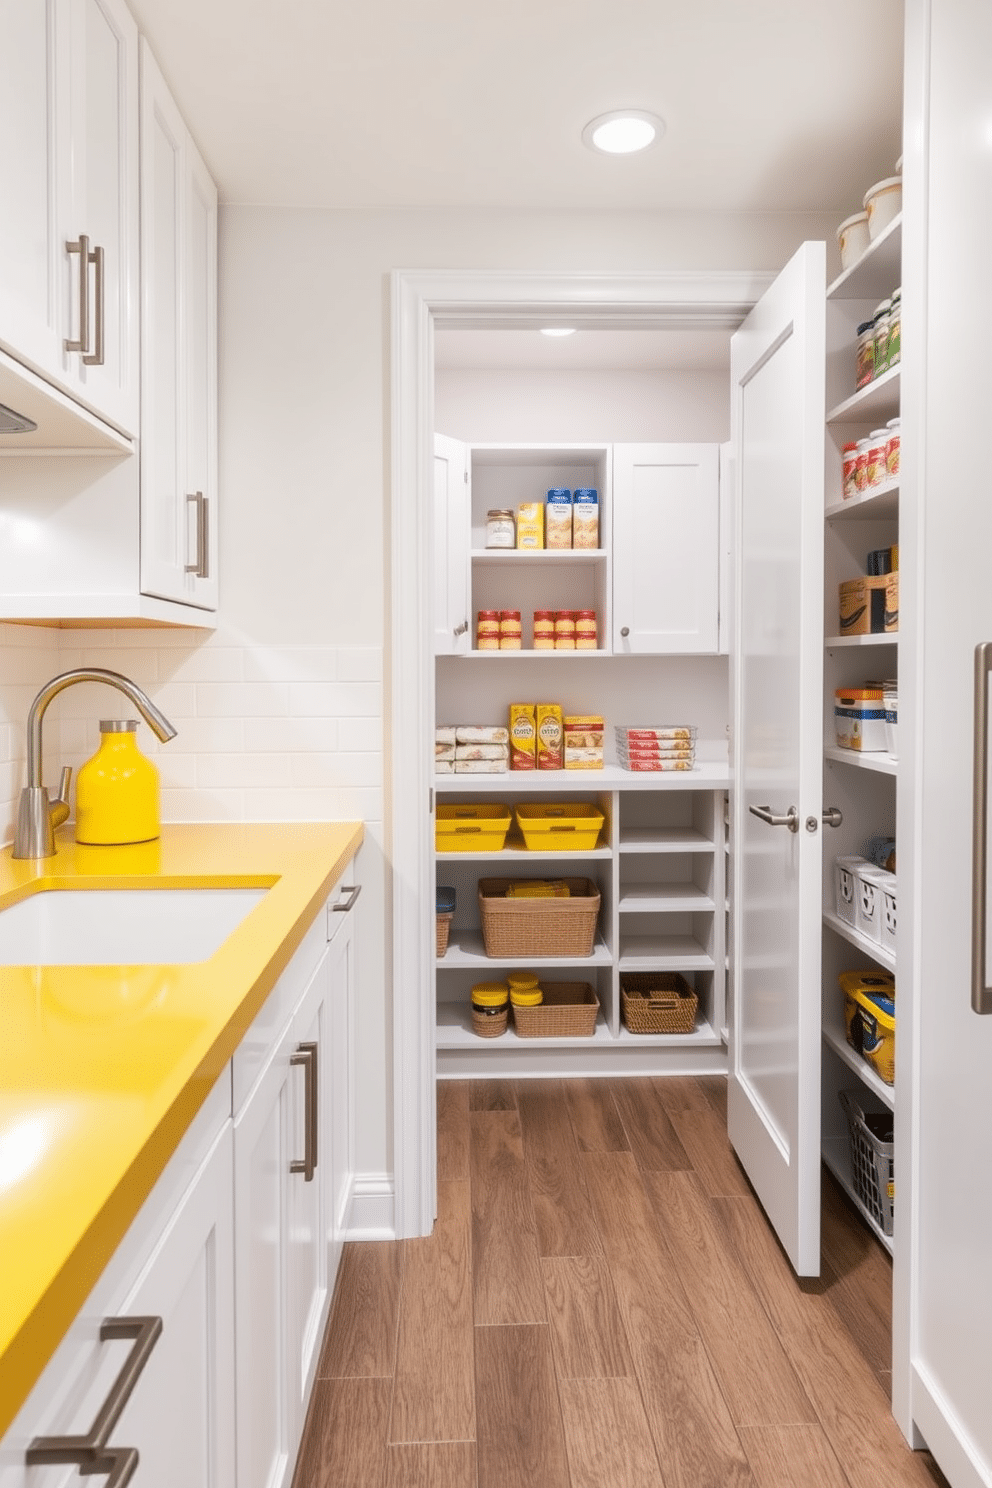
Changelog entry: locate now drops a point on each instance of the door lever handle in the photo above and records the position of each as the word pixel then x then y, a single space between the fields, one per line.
pixel 776 819
pixel 832 816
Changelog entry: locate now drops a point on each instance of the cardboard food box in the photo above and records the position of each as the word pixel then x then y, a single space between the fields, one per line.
pixel 891 621
pixel 859 718
pixel 862 605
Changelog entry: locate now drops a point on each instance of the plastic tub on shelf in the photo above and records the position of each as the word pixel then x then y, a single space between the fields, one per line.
pixel 560 826
pixel 846 885
pixel 471 827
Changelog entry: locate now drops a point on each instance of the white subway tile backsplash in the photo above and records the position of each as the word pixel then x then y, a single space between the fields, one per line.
pixel 336 699
pixel 241 699
pixel 267 734
pixel 283 733
pixel 292 664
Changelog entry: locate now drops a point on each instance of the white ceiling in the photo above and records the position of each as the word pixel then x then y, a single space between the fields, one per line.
pixel 635 349
pixel 771 105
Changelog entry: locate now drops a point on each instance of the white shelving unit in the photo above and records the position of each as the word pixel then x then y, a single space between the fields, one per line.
pixel 659 863
pixel 862 785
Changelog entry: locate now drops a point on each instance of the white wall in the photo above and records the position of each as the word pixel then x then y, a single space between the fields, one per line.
pixel 281 712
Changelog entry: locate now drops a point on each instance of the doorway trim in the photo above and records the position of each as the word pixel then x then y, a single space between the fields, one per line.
pixel 420 299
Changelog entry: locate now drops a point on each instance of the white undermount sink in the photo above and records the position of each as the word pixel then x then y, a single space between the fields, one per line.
pixel 121 927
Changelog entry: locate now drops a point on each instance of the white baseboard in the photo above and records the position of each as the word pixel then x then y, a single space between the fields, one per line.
pixel 372 1209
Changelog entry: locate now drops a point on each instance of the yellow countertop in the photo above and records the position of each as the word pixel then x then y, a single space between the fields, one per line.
pixel 102 1069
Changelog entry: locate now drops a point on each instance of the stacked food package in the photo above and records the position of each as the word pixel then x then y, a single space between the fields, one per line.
pixel 471 749
pixel 666 746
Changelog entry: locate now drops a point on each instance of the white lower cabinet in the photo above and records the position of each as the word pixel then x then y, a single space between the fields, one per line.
pixel 166 1298
pixel 288 1228
pixel 215 1302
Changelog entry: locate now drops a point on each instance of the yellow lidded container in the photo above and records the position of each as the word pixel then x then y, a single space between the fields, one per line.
pixel 117 791
pixel 490 1002
pixel 525 990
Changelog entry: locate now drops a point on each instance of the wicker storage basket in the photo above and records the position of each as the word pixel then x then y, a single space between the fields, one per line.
pixel 569 1010
pixel 443 928
pixel 657 1002
pixel 527 928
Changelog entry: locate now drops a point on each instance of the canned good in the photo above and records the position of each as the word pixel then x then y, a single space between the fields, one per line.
pixel 866 354
pixel 487 630
pixel 893 449
pixel 565 623
pixel 509 622
pixel 544 625
pixel 895 328
pixel 500 529
pixel 877 448
pixel 880 332
pixel 850 469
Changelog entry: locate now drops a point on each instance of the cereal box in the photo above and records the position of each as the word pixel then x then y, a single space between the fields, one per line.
pixel 530 524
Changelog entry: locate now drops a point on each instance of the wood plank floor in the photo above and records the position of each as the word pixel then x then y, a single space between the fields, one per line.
pixel 603 1305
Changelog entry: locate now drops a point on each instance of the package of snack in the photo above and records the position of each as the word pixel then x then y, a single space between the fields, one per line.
pixel 550 737
pixel 523 736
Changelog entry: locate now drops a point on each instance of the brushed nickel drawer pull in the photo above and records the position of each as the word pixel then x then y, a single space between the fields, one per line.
pixel 201 567
pixel 306 1055
pixel 91 1452
pixel 94 358
pixel 981 992
pixel 82 247
pixel 353 891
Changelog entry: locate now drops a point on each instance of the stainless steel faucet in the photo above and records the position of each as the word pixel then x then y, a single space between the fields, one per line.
pixel 37 815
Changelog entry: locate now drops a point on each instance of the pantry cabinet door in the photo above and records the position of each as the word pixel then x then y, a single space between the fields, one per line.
pixel 666 548
pixel 777 387
pixel 452 542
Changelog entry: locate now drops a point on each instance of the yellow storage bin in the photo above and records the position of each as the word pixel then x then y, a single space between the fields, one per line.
pixel 560 826
pixel 471 828
pixel 870 1018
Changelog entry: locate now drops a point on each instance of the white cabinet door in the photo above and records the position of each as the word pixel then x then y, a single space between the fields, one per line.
pixel 180 1417
pixel 777 386
pixel 943 1192
pixel 452 541
pixel 103 209
pixel 30 248
pixel 179 354
pixel 666 548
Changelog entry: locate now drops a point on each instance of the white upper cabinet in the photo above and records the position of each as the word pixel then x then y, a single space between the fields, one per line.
pixel 69 255
pixel 666 554
pixel 179 354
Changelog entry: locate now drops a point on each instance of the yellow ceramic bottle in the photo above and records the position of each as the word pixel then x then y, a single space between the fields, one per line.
pixel 117 790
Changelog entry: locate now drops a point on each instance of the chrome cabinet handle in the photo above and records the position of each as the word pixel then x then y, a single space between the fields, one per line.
pixel 766 814
pixel 461 629
pixel 201 567
pixel 306 1055
pixel 981 992
pixel 353 891
pixel 82 247
pixel 625 630
pixel 95 358
pixel 832 816
pixel 91 1452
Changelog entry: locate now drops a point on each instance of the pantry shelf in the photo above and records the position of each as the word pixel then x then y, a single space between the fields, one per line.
pixel 537 557
pixel 877 759
pixel 663 953
pixel 466 949
pixel 877 504
pixel 837 1157
pixel 528 651
pixel 838 1043
pixel 455 1031
pixel 702 777
pixel 662 840
pixel 878 638
pixel 871 948
pixel 878 401
pixel 517 853
pixel 676 898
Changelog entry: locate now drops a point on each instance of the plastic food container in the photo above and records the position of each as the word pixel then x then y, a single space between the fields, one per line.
pixel 870 1019
pixel 883 203
pixel 490 1008
pixel 889 913
pixel 471 828
pixel 560 826
pixel 852 238
pixel 869 906
pixel 846 885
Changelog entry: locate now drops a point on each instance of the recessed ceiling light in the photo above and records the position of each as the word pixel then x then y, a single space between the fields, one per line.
pixel 623 131
pixel 557 330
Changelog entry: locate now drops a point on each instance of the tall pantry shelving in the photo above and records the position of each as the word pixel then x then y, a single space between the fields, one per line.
pixel 863 786
pixel 659 862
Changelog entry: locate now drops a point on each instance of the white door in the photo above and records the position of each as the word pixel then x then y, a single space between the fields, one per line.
pixel 777 386
pixel 945 616
pixel 452 540
pixel 666 548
